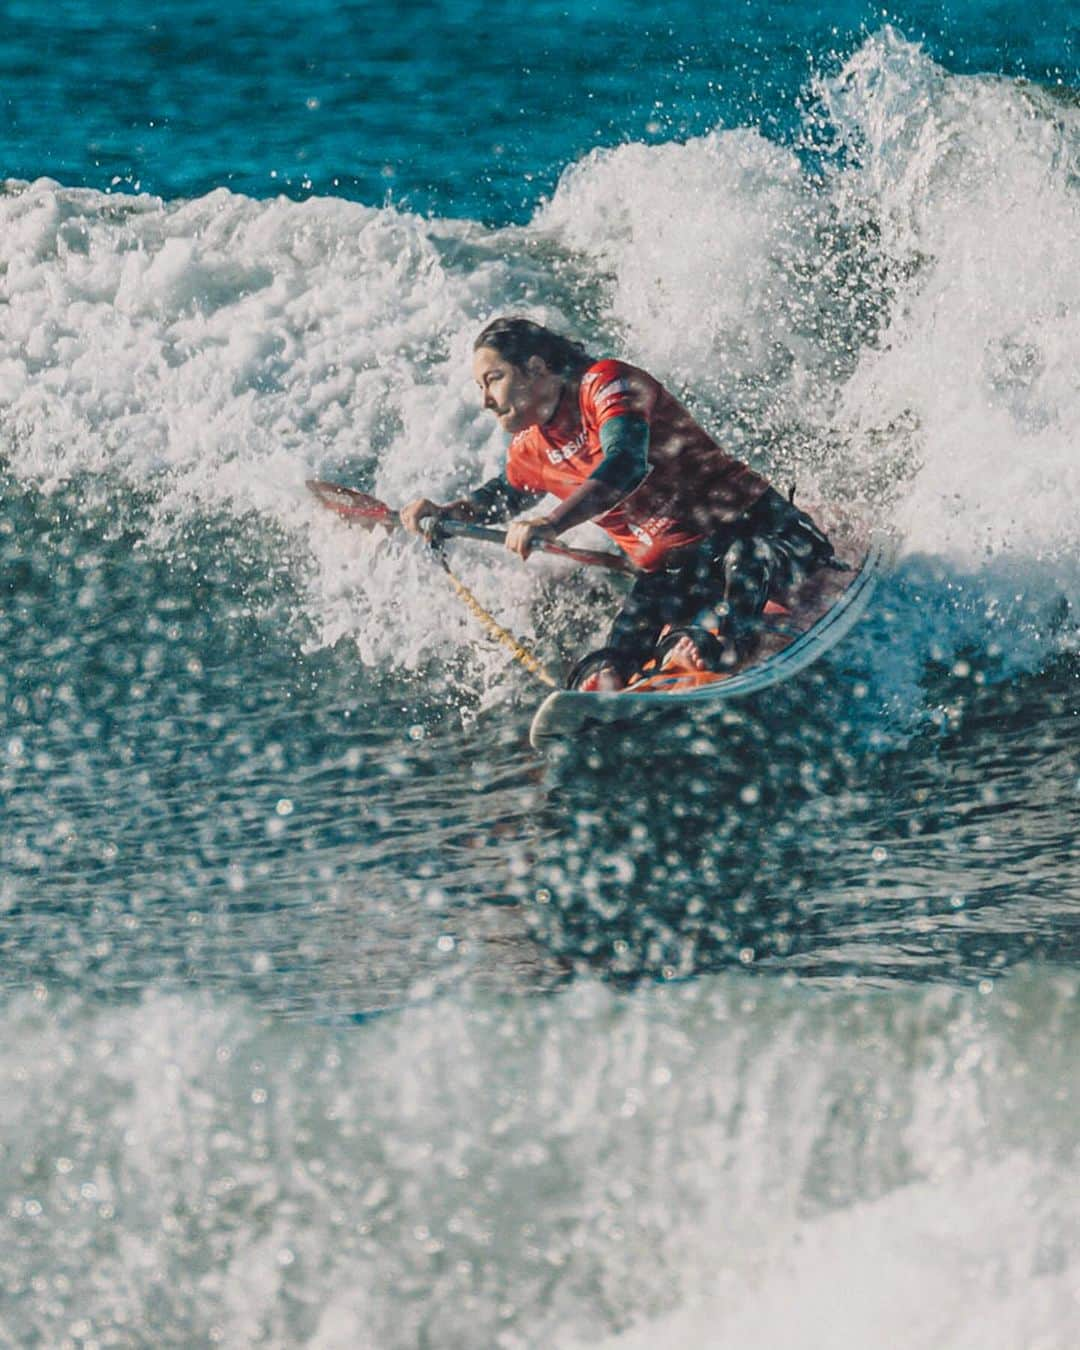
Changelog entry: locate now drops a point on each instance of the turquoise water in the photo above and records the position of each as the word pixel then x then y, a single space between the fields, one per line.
pixel 333 1015
pixel 444 107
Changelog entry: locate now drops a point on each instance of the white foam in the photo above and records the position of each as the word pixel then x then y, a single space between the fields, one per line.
pixel 711 251
pixel 219 351
pixel 149 338
pixel 920 1268
pixel 971 182
pixel 724 1163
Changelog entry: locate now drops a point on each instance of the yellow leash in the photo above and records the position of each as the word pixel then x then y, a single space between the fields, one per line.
pixel 491 625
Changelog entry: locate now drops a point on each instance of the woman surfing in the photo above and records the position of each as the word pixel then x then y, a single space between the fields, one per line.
pixel 712 538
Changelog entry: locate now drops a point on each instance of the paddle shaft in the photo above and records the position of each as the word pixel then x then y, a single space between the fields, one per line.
pixel 362 509
pixel 590 557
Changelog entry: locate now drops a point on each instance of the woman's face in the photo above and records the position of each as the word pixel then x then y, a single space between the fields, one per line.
pixel 518 396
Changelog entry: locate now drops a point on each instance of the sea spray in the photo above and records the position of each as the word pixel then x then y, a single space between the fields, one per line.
pixel 553 1170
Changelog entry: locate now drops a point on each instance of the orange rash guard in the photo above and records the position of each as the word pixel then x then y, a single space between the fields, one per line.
pixel 691 486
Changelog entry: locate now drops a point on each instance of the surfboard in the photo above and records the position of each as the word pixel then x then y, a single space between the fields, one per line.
pixel 795 630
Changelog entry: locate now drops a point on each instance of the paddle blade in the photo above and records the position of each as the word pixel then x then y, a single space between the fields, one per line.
pixel 352 505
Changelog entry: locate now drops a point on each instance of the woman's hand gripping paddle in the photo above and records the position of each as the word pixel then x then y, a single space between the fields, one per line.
pixel 368 511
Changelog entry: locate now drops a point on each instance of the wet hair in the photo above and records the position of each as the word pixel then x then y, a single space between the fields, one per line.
pixel 516 339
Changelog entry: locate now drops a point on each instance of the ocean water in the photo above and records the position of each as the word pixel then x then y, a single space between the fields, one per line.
pixel 333 1015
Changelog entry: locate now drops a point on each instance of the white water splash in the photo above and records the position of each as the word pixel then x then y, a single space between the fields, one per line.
pixel 973 185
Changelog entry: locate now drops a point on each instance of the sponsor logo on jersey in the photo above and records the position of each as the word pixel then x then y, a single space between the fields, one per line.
pixel 648 531
pixel 611 393
pixel 558 453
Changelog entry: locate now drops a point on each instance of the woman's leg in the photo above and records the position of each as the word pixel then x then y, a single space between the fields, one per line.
pixel 723 584
pixel 773 546
pixel 656 600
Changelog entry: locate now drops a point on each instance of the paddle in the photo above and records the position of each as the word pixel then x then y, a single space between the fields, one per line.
pixel 367 511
